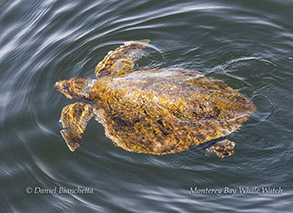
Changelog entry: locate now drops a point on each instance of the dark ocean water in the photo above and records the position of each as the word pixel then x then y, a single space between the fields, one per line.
pixel 247 44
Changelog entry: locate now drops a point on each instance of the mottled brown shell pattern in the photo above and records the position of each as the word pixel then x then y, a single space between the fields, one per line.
pixel 139 117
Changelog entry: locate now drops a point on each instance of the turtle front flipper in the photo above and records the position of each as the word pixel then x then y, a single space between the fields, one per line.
pixel 74 119
pixel 222 149
pixel 121 60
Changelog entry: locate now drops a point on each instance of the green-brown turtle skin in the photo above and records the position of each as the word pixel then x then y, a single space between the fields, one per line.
pixel 156 111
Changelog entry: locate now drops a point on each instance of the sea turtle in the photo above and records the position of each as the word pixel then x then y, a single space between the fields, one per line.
pixel 156 111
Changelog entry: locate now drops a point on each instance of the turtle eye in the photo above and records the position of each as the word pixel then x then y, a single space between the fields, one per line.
pixel 65 86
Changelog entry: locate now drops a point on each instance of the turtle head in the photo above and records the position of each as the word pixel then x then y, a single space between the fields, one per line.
pixel 75 87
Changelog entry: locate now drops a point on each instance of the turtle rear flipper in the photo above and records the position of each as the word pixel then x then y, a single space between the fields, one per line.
pixel 74 119
pixel 222 149
pixel 121 60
